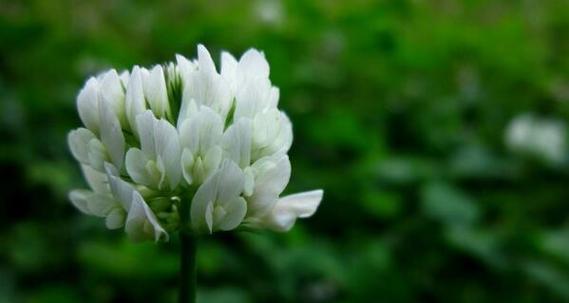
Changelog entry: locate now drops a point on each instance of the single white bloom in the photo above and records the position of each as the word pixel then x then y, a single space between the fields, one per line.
pixel 99 201
pixel 157 163
pixel 106 89
pixel 271 175
pixel 200 137
pixel 218 205
pixel 87 148
pixel 141 223
pixel 185 136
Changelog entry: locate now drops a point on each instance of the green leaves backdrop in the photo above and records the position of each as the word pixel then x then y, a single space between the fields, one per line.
pixel 400 111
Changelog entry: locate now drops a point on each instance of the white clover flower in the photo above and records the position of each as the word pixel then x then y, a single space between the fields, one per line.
pixel 186 133
pixel 539 137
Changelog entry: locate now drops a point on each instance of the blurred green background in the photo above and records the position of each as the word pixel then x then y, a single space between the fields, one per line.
pixel 436 129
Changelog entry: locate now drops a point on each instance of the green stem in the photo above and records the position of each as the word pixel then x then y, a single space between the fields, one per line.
pixel 188 268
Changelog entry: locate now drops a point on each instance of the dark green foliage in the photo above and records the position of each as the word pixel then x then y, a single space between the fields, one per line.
pixel 399 111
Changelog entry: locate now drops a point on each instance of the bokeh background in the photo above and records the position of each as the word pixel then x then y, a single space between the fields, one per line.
pixel 436 128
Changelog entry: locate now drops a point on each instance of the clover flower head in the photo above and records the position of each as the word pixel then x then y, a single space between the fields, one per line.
pixel 543 138
pixel 185 132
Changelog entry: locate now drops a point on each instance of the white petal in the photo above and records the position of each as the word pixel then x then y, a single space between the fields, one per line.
pixel 115 219
pixel 100 204
pixel 210 90
pixel 252 96
pixel 110 169
pixel 216 204
pixel 134 100
pixel 125 76
pixel 187 162
pixel 228 64
pixel 229 69
pixel 254 64
pixel 249 181
pixel 237 142
pixel 96 180
pixel 205 61
pixel 210 130
pixel 201 131
pixel 78 198
pixel 235 212
pixel 272 134
pixel 160 157
pixel 112 93
pixel 156 93
pixel 206 86
pixel 211 162
pixel 78 141
pixel 161 174
pixel 136 167
pixel 271 177
pixel 86 148
pixel 121 190
pixel 145 124
pixel 199 168
pixel 141 223
pixel 97 154
pixel 111 134
pixel 287 209
pixel 187 109
pixel 204 197
pixel 273 98
pixel 164 134
pixel 231 182
pixel 168 150
pixel 185 66
pixel 135 221
pixel 209 217
pixel 87 105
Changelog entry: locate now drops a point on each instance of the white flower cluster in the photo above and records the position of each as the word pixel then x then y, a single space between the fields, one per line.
pixel 543 138
pixel 184 132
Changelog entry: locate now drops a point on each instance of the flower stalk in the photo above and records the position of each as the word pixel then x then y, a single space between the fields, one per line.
pixel 188 268
pixel 188 254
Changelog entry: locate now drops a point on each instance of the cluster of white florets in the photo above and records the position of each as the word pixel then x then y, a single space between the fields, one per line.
pixel 186 133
